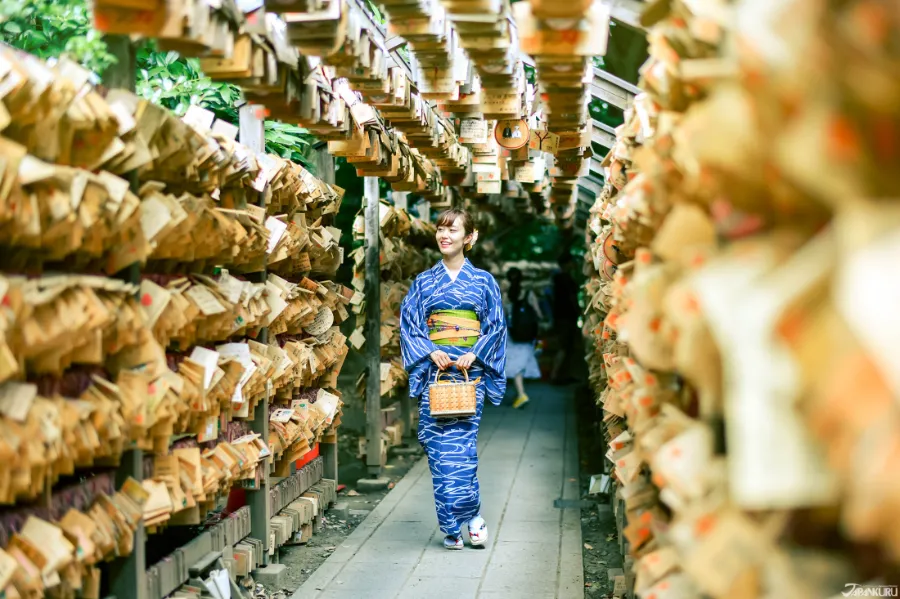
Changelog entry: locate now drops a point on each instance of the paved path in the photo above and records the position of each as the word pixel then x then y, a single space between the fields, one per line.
pixel 528 460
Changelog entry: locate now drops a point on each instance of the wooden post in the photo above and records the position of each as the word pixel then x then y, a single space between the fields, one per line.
pixel 324 164
pixel 252 127
pixel 424 208
pixel 252 135
pixel 401 201
pixel 128 575
pixel 373 328
pixel 328 451
pixel 121 74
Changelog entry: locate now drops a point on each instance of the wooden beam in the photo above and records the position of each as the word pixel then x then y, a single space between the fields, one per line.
pixel 379 37
pixel 373 24
pixel 603 135
pixel 395 43
pixel 596 166
pixel 617 81
pixel 590 184
pixel 604 127
pixel 607 92
pixel 609 88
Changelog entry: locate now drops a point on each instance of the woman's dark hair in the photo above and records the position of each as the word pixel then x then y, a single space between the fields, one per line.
pixel 448 217
pixel 514 276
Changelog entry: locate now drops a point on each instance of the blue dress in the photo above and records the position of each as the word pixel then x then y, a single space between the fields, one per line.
pixel 449 443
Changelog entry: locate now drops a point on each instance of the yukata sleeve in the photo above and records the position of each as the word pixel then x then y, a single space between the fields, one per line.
pixel 415 345
pixel 490 349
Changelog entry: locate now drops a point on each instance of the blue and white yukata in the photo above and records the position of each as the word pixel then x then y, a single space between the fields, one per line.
pixel 449 443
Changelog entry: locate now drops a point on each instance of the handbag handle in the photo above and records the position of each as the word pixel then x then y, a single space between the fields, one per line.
pixel 437 378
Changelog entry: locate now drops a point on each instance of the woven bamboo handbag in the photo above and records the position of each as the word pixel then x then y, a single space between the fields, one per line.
pixel 451 399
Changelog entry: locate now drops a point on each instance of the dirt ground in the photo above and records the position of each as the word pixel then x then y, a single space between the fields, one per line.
pixel 601 550
pixel 598 525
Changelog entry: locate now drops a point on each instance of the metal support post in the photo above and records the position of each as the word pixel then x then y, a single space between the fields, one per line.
pixel 373 328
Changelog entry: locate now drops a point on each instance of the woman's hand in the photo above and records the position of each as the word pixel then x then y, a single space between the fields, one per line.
pixel 441 358
pixel 465 361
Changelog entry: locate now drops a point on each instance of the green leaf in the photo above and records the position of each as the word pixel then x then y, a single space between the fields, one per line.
pixel 50 28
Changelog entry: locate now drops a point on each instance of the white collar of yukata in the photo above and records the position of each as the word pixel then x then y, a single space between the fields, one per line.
pixel 440 267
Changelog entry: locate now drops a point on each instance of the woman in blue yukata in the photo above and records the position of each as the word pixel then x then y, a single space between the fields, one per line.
pixel 455 292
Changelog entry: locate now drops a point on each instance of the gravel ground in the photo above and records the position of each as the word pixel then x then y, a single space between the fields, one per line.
pixel 601 550
pixel 598 525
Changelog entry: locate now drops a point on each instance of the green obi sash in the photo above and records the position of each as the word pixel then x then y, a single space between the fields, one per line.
pixel 459 328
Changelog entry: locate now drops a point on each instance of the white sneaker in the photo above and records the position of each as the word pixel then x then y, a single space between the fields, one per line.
pixel 451 542
pixel 478 532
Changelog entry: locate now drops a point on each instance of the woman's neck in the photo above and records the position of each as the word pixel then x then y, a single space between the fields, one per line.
pixel 454 263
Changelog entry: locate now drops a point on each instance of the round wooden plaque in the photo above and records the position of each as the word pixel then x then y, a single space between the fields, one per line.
pixel 511 134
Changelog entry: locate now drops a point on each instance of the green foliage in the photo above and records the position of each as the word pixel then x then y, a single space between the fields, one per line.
pixel 537 240
pixel 290 142
pixel 176 83
pixel 606 113
pixel 373 10
pixel 626 52
pixel 51 28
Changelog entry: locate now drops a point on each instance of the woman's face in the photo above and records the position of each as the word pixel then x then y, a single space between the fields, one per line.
pixel 452 238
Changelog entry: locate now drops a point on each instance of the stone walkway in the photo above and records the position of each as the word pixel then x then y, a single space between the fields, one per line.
pixel 528 460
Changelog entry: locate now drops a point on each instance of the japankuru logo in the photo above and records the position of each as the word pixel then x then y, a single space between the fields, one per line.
pixel 857 590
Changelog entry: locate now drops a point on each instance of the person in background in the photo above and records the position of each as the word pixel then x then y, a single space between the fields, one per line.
pixel 565 317
pixel 524 322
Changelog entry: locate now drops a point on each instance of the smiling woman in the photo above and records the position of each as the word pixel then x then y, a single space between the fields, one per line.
pixel 467 300
pixel 455 232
